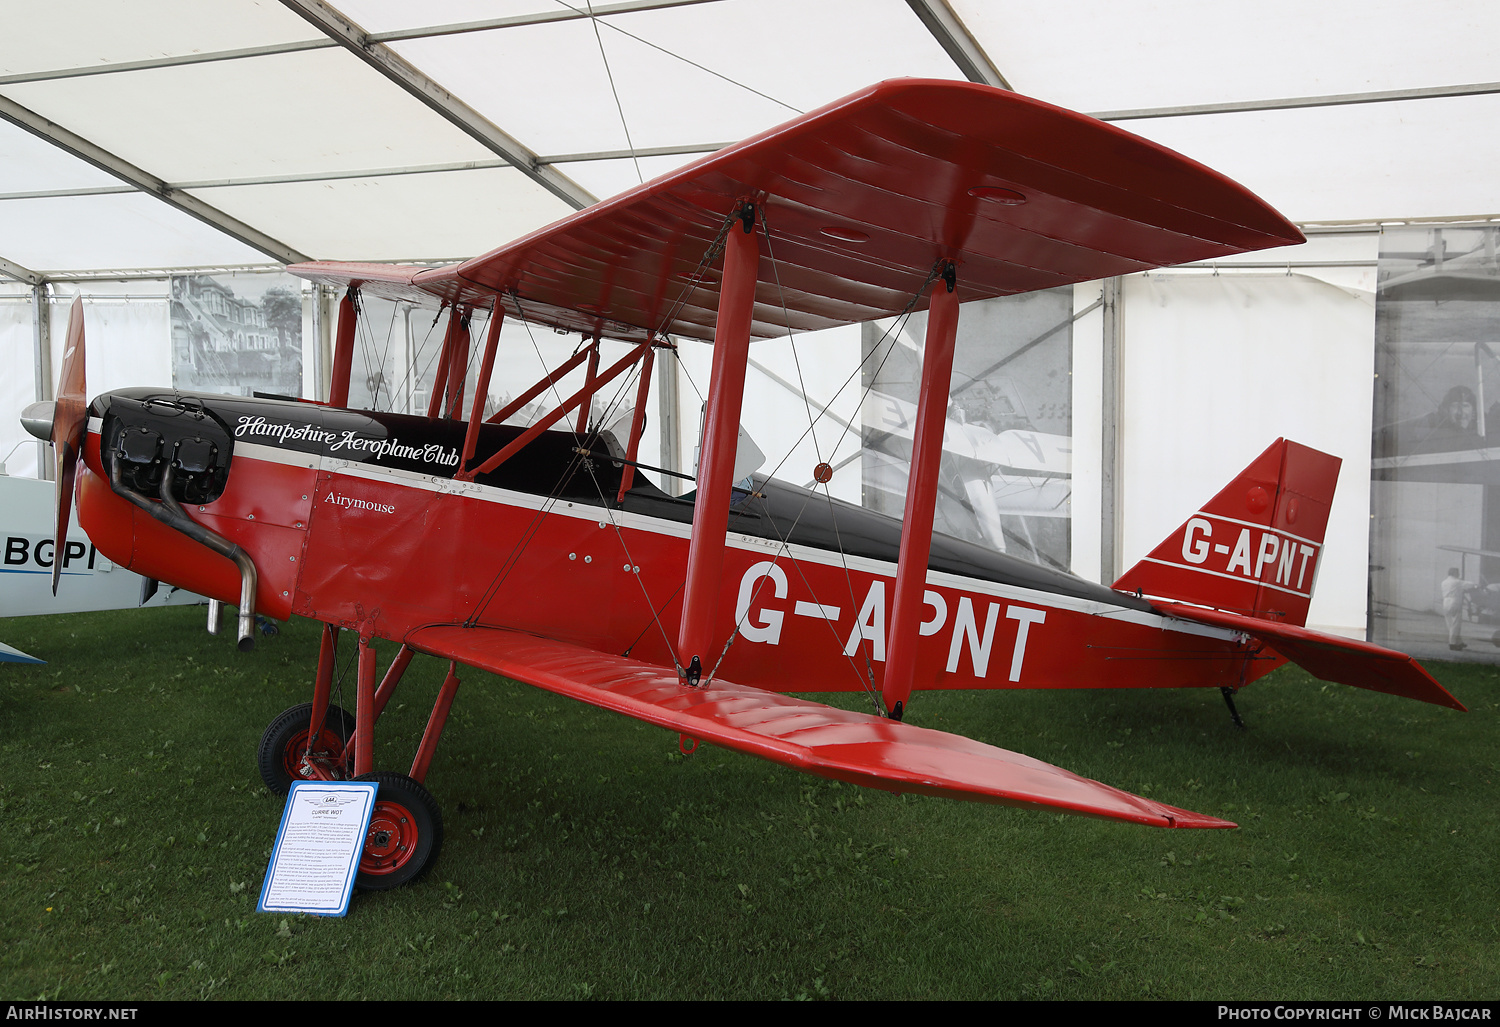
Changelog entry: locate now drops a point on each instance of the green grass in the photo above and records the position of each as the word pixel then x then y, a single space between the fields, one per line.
pixel 586 858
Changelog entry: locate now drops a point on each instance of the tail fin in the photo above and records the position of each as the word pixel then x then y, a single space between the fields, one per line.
pixel 1254 548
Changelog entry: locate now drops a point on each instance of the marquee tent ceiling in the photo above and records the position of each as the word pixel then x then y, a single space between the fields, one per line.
pixel 176 133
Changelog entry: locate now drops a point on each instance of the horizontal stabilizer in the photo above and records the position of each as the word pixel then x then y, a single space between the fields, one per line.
pixel 856 747
pixel 1341 660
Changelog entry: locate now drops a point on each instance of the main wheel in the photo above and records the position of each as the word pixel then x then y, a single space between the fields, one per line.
pixel 285 741
pixel 405 835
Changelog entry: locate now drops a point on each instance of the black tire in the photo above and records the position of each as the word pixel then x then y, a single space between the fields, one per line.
pixel 405 835
pixel 284 742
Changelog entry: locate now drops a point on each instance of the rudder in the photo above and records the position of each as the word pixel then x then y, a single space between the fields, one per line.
pixel 1254 548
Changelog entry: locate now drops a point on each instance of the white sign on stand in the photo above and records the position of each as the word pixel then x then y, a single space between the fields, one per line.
pixel 317 848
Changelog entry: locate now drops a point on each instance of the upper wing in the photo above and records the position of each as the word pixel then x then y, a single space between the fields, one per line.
pixel 1342 660
pixel 855 747
pixel 861 198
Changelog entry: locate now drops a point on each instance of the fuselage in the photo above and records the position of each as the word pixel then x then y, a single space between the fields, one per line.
pixel 355 518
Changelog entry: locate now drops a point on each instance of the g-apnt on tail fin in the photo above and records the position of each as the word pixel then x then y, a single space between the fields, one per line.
pixel 1251 554
pixel 1254 548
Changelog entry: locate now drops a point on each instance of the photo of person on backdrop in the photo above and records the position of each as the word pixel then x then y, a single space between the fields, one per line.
pixel 1454 590
pixel 1435 449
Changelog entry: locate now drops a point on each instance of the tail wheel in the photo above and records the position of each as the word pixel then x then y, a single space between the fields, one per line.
pixel 405 834
pixel 285 742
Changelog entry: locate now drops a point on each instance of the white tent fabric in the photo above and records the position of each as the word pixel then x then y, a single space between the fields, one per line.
pixel 1095 55
pixel 460 124
pixel 681 77
pixel 1366 163
pixel 138 311
pixel 1213 360
pixel 16 386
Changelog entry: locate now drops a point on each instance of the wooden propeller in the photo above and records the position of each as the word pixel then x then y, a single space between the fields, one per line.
pixel 69 419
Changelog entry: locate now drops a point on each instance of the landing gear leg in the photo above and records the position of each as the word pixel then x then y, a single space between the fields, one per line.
pixel 406 824
pixel 1234 714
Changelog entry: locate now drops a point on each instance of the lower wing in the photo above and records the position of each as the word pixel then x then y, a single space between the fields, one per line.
pixel 856 747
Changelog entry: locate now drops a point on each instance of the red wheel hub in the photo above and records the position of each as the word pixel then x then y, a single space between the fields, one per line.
pixel 391 840
pixel 328 759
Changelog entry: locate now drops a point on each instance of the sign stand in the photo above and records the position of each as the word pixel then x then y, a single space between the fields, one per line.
pixel 318 845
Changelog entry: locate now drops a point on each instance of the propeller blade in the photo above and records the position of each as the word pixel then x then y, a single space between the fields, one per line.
pixel 66 467
pixel 69 420
pixel 72 399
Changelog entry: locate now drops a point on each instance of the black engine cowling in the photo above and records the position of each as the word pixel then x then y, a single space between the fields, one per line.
pixel 142 437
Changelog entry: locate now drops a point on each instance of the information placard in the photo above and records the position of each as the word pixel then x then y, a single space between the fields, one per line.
pixel 318 845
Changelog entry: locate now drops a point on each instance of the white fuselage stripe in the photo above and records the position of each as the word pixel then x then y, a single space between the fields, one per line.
pixel 1231 577
pixel 734 540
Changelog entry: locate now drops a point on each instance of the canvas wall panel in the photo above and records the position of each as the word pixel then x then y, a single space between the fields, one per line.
pixel 1214 368
pixel 18 383
pixel 128 341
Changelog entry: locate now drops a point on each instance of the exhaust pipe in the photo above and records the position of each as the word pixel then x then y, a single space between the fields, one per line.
pixel 171 513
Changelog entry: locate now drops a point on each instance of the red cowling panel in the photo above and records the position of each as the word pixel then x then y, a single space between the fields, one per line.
pixel 1341 660
pixel 1255 547
pixel 855 747
pixel 861 198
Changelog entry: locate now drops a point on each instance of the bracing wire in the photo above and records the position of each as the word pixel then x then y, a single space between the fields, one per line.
pixel 607 504
pixel 385 354
pixel 677 56
pixel 366 339
pixel 476 348
pixel 367 346
pixel 791 335
pixel 766 228
pixel 336 692
pixel 534 527
pixel 897 323
pixel 629 144
pixel 868 679
pixel 410 374
pixel 694 280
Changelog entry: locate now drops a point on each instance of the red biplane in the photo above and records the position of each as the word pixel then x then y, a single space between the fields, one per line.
pixel 541 554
